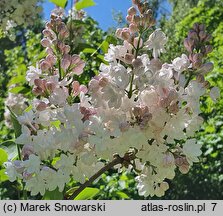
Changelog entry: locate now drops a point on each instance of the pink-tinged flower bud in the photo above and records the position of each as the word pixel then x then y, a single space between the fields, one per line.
pixel 66 49
pixel 41 106
pixel 168 159
pixel 83 89
pixel 60 45
pixel 37 91
pixel 202 35
pixel 137 111
pixel 75 86
pixel 78 65
pixel 200 78
pixel 173 108
pixel 179 161
pixel 206 68
pixel 125 35
pixel 137 43
pixel 133 28
pixel 201 27
pixel 93 85
pixel 61 27
pixel 137 63
pixel 164 186
pixel 49 50
pixel 128 58
pixel 136 19
pixel 132 11
pixel 44 66
pixel 66 61
pixel 51 59
pixel 128 18
pixel 189 44
pixel 45 42
pixel 193 35
pixel 135 2
pixel 208 49
pixel 65 34
pixel 103 82
pixel 197 60
pixel 146 19
pixel 164 102
pixel 38 82
pixel 27 150
pixel 118 32
pixel 184 169
pixel 50 86
pixel 47 33
pixel 156 64
pixel 196 27
pixel 206 84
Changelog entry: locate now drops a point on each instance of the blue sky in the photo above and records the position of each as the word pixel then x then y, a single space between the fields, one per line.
pixel 102 11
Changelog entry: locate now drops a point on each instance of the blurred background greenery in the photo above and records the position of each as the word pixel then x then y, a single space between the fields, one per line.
pixel 205 179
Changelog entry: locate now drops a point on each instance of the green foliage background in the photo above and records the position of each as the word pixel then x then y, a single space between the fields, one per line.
pixel 205 179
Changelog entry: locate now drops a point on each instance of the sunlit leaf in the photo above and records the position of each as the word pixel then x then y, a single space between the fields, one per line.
pixel 87 193
pixel 3 176
pixel 3 156
pixel 84 4
pixel 60 3
pixel 53 195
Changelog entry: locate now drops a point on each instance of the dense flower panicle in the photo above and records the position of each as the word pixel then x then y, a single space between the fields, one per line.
pixel 135 105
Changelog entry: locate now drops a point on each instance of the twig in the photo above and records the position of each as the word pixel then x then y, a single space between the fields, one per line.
pixel 117 160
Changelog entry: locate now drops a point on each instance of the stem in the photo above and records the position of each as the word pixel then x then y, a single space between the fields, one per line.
pixel 60 72
pixel 24 191
pixel 132 78
pixel 188 80
pixel 116 161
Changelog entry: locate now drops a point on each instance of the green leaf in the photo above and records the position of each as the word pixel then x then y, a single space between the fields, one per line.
pixel 60 3
pixel 84 4
pixel 111 39
pixel 87 193
pixel 16 89
pixel 12 150
pixel 17 127
pixel 29 108
pixel 122 195
pixel 53 195
pixel 104 46
pixel 89 50
pixel 3 176
pixel 17 79
pixel 8 142
pixel 3 156
pixel 19 89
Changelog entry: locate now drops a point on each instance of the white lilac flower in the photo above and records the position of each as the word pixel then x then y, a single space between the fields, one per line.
pixel 215 93
pixel 181 63
pixel 32 74
pixel 32 165
pixel 11 171
pixel 156 42
pixel 192 150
